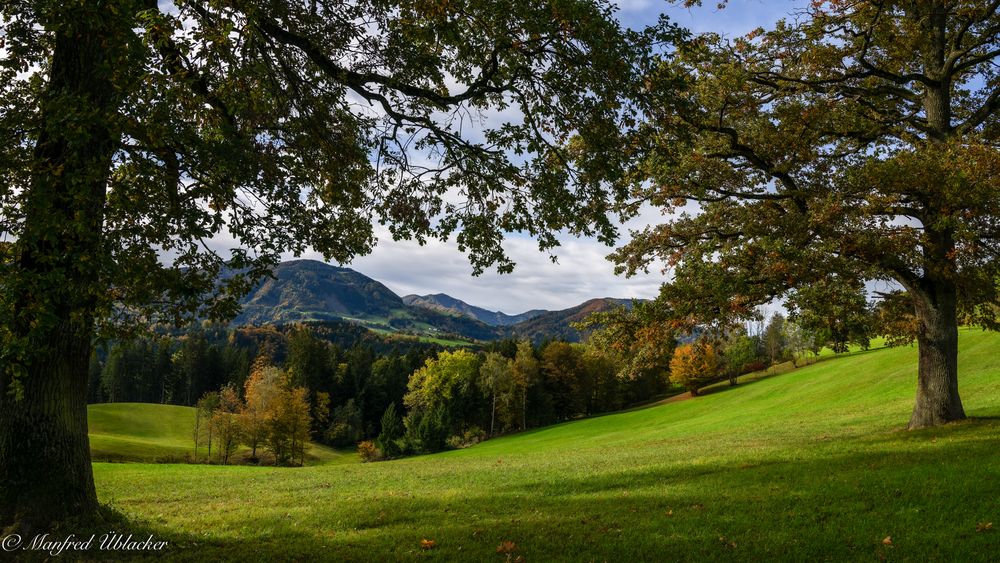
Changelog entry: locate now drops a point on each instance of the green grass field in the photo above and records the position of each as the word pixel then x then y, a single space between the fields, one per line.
pixel 813 464
pixel 141 432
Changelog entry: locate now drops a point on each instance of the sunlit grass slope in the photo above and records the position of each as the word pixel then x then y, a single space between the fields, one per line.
pixel 142 432
pixel 814 464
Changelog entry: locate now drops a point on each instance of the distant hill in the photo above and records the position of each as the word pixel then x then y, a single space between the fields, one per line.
pixel 557 324
pixel 312 291
pixel 448 304
pixel 307 290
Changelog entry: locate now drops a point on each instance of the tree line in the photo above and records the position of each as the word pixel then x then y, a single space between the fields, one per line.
pixel 419 400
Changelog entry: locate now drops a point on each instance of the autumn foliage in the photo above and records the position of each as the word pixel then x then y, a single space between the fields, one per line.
pixel 693 365
pixel 274 414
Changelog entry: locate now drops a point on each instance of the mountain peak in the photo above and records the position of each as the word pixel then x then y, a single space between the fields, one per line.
pixel 310 290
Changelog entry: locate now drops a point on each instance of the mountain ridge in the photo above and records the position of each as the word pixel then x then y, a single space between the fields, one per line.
pixel 448 304
pixel 312 291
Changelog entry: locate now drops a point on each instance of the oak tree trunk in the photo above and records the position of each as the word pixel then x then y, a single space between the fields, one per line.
pixel 938 400
pixel 45 469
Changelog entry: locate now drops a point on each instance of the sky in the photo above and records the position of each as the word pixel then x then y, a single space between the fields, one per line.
pixel 582 271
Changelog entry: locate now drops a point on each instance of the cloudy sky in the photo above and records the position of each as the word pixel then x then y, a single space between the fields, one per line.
pixel 582 271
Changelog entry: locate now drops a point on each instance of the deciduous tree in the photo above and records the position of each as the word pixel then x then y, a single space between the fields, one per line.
pixel 525 373
pixel 204 430
pixel 438 396
pixel 260 392
pixel 225 423
pixel 495 378
pixel 693 365
pixel 134 131
pixel 857 140
pixel 288 425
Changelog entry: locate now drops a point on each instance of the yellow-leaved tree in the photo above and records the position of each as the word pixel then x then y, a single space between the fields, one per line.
pixel 260 392
pixel 693 365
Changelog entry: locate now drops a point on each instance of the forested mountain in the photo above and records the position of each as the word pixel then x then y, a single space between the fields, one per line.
pixel 558 324
pixel 310 291
pixel 307 290
pixel 448 304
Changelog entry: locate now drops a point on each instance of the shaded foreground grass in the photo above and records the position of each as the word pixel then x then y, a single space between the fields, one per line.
pixel 811 464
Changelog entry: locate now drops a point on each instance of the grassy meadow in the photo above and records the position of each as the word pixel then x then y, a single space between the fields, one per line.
pixel 813 464
pixel 141 432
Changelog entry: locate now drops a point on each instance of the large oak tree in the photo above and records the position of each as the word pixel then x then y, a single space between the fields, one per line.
pixel 135 131
pixel 856 141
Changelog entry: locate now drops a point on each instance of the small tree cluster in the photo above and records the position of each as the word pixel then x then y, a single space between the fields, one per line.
pixel 274 415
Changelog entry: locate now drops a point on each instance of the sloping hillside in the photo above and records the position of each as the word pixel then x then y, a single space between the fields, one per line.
pixel 306 290
pixel 810 465
pixel 139 431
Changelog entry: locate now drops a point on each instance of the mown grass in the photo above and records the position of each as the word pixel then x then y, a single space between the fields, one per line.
pixel 813 464
pixel 142 432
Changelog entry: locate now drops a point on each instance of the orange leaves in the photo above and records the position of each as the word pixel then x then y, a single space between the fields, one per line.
pixel 427 544
pixel 506 547
pixel 881 551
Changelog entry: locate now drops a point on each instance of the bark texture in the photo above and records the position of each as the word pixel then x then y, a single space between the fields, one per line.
pixel 938 400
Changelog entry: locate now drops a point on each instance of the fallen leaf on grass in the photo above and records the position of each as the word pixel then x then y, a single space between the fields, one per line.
pixel 506 546
pixel 983 526
pixel 887 540
pixel 427 544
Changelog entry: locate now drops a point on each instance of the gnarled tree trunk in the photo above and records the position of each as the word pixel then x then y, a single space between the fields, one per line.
pixel 938 400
